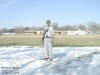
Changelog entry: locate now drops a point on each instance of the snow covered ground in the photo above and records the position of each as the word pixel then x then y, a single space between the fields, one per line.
pixel 67 60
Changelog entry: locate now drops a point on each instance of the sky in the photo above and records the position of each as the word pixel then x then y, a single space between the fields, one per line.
pixel 36 12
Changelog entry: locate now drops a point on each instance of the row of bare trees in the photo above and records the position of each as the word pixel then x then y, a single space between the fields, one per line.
pixel 91 26
pixel 19 30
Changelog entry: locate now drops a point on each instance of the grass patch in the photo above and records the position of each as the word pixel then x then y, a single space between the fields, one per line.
pixel 60 40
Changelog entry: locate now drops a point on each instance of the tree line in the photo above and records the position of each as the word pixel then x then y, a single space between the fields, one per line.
pixel 91 26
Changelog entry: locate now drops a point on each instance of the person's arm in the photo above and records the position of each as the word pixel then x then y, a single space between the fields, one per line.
pixel 52 36
pixel 43 30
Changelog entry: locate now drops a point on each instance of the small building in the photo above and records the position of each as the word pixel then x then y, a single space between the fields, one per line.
pixel 78 32
pixel 32 32
pixel 8 33
pixel 60 32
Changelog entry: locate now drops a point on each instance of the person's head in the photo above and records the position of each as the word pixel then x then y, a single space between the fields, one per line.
pixel 48 22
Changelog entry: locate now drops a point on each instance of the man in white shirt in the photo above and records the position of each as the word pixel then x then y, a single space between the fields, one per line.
pixel 48 38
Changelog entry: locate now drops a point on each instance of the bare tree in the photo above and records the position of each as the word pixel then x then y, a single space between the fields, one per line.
pixel 82 27
pixel 55 26
pixel 94 27
pixel 36 28
pixel 4 30
pixel 0 32
pixel 19 30
pixel 12 30
pixel 67 27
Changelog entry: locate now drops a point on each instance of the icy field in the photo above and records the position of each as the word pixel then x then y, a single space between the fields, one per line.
pixel 67 60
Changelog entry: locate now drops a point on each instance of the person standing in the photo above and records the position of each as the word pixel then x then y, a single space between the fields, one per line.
pixel 48 39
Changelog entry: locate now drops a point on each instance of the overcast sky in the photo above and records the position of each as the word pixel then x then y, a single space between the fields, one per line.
pixel 36 12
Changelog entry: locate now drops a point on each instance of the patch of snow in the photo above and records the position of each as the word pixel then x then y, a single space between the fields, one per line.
pixel 66 60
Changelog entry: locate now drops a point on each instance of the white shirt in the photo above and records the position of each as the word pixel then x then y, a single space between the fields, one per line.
pixel 50 31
